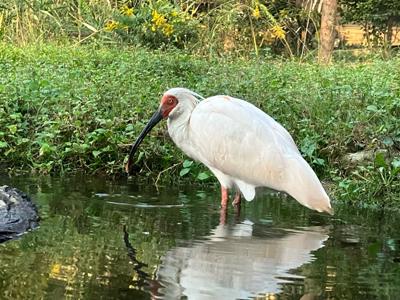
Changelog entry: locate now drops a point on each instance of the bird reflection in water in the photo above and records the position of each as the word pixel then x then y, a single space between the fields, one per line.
pixel 238 261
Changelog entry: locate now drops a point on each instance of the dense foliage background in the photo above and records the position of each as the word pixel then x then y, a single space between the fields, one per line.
pixel 67 109
pixel 79 78
pixel 236 27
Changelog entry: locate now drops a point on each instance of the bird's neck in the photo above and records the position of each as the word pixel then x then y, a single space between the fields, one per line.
pixel 178 123
pixel 181 115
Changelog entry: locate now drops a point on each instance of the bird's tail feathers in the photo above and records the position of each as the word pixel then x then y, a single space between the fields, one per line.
pixel 304 185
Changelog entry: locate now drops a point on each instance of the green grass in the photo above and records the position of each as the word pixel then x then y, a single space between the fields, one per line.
pixel 66 109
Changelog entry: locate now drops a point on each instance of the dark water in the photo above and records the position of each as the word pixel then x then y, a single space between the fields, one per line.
pixel 176 248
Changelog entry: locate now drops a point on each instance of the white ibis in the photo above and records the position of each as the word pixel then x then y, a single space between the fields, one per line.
pixel 241 145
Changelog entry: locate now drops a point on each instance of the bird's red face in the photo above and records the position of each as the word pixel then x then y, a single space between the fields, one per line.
pixel 168 103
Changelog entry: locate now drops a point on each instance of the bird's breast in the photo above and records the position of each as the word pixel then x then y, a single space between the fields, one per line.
pixel 180 135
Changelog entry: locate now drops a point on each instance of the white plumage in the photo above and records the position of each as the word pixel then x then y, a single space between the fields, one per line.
pixel 232 263
pixel 242 146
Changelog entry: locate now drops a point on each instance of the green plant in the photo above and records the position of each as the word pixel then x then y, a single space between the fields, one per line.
pixel 25 21
pixel 197 171
pixel 378 181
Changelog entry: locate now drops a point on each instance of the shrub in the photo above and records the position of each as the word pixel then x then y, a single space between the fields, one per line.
pixel 154 24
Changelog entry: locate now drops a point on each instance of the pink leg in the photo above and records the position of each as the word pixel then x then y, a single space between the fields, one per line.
pixel 224 197
pixel 224 205
pixel 223 213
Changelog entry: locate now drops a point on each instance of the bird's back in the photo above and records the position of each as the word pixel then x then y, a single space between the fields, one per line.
pixel 240 140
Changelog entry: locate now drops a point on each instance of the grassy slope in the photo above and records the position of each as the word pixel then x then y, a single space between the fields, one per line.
pixel 66 108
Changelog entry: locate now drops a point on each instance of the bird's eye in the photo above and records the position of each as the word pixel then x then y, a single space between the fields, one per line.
pixel 170 101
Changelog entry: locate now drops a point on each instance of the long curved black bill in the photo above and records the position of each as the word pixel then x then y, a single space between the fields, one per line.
pixel 157 117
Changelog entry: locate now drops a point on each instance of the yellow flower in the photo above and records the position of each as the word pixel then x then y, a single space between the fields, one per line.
pixel 278 32
pixel 155 15
pixel 158 19
pixel 174 13
pixel 55 269
pixel 126 10
pixel 168 29
pixel 111 25
pixel 256 12
pixel 153 28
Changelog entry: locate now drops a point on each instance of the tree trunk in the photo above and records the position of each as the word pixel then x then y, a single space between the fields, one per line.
pixel 387 41
pixel 327 32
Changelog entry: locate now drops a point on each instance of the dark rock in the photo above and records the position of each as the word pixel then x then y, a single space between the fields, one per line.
pixel 18 213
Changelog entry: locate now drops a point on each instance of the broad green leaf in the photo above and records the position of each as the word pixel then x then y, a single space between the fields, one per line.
pixel 44 149
pixel 372 108
pixel 84 146
pixel 140 156
pixel 345 184
pixel 23 141
pixel 183 172
pixel 96 153
pixel 319 161
pixel 15 116
pixel 13 128
pixel 187 163
pixel 203 176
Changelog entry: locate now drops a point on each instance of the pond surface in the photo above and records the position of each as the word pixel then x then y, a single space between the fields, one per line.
pixel 115 240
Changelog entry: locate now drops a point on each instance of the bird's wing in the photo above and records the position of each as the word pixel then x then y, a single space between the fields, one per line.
pixel 277 131
pixel 238 139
